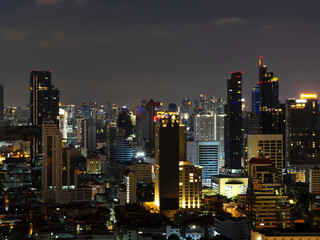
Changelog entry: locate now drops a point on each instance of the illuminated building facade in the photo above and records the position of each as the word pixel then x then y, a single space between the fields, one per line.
pixel 169 150
pixel 205 154
pixel 233 122
pixel 268 207
pixel 271 115
pixel 229 186
pixel 270 145
pixel 189 185
pixel 303 127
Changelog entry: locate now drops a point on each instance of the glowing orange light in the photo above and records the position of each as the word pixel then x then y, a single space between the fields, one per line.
pixel 308 95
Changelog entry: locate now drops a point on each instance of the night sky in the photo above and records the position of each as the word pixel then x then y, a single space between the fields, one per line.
pixel 123 51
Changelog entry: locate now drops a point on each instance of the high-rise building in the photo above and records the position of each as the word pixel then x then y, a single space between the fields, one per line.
pixel 268 207
pixel 206 155
pixel 1 102
pixel 255 100
pixel 89 136
pixel 204 127
pixel 270 145
pixel 233 122
pixel 271 115
pixel 169 150
pixel 130 181
pixel 44 98
pixel 148 119
pixel 303 127
pixel 124 122
pixel 190 185
pixel 119 151
pixel 52 164
pixel 44 103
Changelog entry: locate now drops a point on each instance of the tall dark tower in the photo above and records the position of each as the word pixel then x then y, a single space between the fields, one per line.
pixel 233 122
pixel 169 150
pixel 44 104
pixel 44 98
pixel 270 113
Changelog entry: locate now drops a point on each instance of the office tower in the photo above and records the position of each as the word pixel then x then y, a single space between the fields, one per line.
pixel 1 102
pixel 186 106
pixel 255 100
pixel 44 98
pixel 44 103
pixel 206 155
pixel 148 130
pixel 169 150
pixel 52 164
pixel 270 112
pixel 270 145
pixel 69 175
pixel 190 185
pixel 89 136
pixel 302 127
pixel 204 128
pixel 119 147
pixel 85 109
pixel 268 207
pixel 124 122
pixel 148 126
pixel 130 182
pixel 251 123
pixel 233 122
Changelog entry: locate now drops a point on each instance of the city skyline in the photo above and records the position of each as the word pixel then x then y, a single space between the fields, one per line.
pixel 123 52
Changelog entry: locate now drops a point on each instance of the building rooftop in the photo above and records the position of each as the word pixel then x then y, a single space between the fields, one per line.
pixel 260 160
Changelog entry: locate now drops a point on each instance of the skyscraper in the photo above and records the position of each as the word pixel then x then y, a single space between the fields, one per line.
pixel 205 154
pixel 169 150
pixel 233 122
pixel 204 127
pixel 52 165
pixel 44 104
pixel 44 98
pixel 270 113
pixel 255 100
